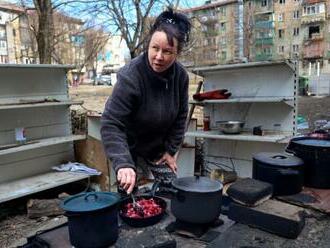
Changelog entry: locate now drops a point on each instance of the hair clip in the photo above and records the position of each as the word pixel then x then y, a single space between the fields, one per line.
pixel 170 20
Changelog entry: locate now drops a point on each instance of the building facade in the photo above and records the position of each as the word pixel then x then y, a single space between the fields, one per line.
pixel 217 35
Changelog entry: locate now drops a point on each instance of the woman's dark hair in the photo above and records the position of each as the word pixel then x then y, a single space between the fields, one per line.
pixel 175 25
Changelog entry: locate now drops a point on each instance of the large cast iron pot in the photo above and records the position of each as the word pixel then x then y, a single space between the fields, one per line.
pixel 92 219
pixel 196 199
pixel 315 152
pixel 284 172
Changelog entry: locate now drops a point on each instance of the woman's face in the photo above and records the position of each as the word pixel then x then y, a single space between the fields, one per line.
pixel 161 54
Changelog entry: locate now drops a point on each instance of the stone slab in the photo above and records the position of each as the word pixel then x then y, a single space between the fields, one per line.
pixel 250 192
pixel 272 216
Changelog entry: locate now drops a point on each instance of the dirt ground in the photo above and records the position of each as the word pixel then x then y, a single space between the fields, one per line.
pixel 13 229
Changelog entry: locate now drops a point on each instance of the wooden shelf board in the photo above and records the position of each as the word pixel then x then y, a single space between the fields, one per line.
pixel 26 186
pixel 281 138
pixel 39 104
pixel 42 143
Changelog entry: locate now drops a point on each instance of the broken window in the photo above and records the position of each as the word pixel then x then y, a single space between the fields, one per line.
pixel 313 31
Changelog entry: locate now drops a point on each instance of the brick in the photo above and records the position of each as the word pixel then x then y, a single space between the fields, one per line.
pixel 272 216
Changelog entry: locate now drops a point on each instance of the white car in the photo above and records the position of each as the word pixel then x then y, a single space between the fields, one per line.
pixel 103 80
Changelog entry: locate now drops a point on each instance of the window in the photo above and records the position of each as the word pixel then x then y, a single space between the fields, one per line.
pixel 263 3
pixel 295 31
pixel 296 14
pixel 313 31
pixel 223 26
pixel 281 33
pixel 281 49
pixel 312 9
pixel 14 32
pixel 3 44
pixel 222 11
pixel 223 55
pixel 282 1
pixel 280 17
pixel 223 41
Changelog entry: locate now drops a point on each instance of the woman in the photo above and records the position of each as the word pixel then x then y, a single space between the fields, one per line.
pixel 144 119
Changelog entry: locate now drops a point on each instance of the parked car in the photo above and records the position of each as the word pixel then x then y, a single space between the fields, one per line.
pixel 103 79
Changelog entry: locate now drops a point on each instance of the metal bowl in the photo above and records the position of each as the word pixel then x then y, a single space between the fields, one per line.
pixel 230 127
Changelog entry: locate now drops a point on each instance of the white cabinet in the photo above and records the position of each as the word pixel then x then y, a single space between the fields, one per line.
pixel 34 98
pixel 263 94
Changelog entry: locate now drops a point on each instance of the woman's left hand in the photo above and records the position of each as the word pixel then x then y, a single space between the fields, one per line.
pixel 169 160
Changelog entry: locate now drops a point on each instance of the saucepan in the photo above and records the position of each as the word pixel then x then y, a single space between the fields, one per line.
pixel 230 127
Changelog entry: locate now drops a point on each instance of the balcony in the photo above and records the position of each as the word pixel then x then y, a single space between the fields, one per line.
pixel 313 50
pixel 264 25
pixel 264 41
pixel 314 37
pixel 315 18
pixel 263 56
pixel 206 19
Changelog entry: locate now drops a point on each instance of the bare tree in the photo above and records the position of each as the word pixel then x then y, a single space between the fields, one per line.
pixel 45 30
pixel 130 18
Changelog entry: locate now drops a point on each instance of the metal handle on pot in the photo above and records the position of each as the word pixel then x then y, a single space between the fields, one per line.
pixel 279 157
pixel 91 194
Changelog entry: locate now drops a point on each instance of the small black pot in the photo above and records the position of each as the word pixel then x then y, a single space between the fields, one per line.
pixel 197 199
pixel 285 173
pixel 92 219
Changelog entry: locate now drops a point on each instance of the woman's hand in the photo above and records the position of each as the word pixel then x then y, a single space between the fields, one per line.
pixel 126 178
pixel 169 160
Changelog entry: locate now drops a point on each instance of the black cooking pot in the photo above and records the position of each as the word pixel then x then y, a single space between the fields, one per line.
pixel 315 152
pixel 284 172
pixel 196 199
pixel 92 219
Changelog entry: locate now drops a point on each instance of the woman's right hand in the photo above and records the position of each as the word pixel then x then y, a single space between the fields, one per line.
pixel 126 178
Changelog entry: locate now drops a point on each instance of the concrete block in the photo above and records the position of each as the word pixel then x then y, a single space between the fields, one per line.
pixel 272 216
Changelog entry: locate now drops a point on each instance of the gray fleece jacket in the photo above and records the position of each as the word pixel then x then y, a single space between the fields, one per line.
pixel 146 113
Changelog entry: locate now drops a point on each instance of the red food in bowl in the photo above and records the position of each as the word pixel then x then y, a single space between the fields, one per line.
pixel 149 206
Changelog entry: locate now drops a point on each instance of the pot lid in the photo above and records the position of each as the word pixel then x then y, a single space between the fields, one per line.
pixel 197 184
pixel 314 142
pixel 278 159
pixel 85 202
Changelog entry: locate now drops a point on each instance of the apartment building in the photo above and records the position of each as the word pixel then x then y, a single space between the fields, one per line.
pixel 9 33
pixel 315 37
pixel 217 35
pixel 259 30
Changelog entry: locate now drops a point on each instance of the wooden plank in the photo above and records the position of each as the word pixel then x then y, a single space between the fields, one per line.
pixel 43 143
pixel 38 105
pixel 242 136
pixel 34 184
pixel 91 153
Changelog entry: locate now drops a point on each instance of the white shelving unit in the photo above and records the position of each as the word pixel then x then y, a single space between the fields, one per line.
pixel 263 94
pixel 35 98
